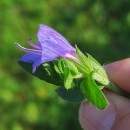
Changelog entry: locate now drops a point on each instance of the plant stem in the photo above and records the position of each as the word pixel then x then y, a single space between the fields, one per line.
pixel 117 90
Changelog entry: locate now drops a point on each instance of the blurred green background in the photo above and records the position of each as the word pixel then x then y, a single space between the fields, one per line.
pixel 101 28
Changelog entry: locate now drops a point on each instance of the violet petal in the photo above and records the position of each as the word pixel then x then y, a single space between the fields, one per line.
pixel 46 33
pixel 30 58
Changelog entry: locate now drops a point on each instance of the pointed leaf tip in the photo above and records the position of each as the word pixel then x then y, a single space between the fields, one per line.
pixel 93 93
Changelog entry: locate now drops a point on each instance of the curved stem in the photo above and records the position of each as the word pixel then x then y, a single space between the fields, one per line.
pixel 117 90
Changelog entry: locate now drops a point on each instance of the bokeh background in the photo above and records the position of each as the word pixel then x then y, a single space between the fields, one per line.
pixel 98 27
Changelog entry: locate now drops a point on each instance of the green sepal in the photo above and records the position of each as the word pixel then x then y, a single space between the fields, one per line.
pixel 97 66
pixel 84 61
pixel 100 79
pixel 88 64
pixel 100 74
pixel 68 78
pixel 68 71
pixel 71 95
pixel 71 66
pixel 79 66
pixel 93 93
pixel 44 72
pixel 59 68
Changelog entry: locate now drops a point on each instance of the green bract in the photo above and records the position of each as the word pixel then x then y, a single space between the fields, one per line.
pixel 68 72
pixel 93 92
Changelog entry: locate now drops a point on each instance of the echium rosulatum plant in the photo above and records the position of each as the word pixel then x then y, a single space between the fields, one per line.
pixel 78 77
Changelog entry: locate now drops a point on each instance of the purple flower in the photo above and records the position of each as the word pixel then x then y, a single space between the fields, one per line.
pixel 51 45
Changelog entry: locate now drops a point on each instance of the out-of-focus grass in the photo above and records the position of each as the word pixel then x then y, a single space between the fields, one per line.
pixel 101 28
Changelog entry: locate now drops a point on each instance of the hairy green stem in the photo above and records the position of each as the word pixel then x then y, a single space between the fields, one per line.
pixel 117 90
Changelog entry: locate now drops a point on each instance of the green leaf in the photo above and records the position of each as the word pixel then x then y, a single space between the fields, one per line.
pixel 72 95
pixel 93 93
pixel 44 72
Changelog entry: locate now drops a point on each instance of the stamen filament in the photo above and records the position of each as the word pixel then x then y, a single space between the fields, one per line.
pixel 33 45
pixel 31 51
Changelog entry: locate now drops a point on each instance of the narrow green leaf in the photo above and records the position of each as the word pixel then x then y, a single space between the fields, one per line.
pixel 71 95
pixel 93 93
pixel 44 72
